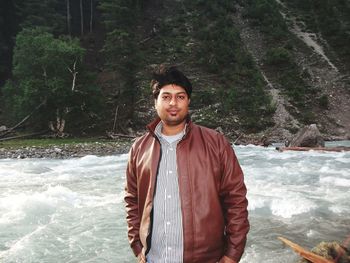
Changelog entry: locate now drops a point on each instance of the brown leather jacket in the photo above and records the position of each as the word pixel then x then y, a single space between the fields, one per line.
pixel 212 192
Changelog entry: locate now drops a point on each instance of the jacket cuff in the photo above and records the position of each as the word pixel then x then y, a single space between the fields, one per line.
pixel 137 248
pixel 233 254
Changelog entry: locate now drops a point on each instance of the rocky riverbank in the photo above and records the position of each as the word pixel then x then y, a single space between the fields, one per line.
pixel 117 146
pixel 63 151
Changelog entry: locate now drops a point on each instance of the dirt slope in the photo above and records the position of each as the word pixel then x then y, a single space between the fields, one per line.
pixel 323 75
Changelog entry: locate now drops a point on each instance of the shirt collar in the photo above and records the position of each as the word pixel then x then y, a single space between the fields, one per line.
pixel 158 131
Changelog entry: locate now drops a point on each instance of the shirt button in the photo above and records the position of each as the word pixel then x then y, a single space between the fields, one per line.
pixel 170 172
pixel 169 196
pixel 168 223
pixel 171 149
pixel 169 248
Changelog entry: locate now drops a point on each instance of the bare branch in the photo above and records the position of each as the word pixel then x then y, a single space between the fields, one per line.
pixel 74 73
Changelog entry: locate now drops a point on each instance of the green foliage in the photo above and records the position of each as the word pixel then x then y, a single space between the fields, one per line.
pixel 17 143
pixel 118 14
pixel 203 97
pixel 221 51
pixel 120 49
pixel 278 56
pixel 36 13
pixel 323 102
pixel 265 13
pixel 331 19
pixel 308 117
pixel 220 44
pixel 43 68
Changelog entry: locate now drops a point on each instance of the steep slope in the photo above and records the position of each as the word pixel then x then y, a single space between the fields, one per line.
pixel 324 76
pixel 318 72
pixel 255 44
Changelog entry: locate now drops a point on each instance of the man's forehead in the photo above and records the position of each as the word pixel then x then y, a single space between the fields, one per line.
pixel 172 88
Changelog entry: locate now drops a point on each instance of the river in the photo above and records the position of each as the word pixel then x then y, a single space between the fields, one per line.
pixel 73 211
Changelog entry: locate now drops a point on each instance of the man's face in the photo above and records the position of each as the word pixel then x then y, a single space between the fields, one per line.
pixel 172 104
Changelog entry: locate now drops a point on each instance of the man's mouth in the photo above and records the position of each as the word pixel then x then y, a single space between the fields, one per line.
pixel 173 112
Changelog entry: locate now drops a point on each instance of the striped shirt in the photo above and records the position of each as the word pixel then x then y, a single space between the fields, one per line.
pixel 167 231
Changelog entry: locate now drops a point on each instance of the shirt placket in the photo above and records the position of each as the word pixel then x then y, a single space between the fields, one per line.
pixel 168 193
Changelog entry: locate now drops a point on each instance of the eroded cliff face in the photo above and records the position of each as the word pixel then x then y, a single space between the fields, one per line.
pixel 317 70
pixel 316 64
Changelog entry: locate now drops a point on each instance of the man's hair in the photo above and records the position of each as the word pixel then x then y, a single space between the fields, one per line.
pixel 169 75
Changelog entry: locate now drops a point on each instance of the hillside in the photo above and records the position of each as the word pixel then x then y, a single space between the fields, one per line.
pixel 258 67
pixel 317 71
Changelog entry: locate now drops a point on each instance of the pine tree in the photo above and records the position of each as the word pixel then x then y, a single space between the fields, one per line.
pixel 50 14
pixel 120 47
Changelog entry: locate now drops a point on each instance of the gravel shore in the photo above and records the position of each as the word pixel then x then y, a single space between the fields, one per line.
pixel 65 151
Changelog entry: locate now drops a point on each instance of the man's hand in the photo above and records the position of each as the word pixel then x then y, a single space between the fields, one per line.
pixel 226 259
pixel 141 259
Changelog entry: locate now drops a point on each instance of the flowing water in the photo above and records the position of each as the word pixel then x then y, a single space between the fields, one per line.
pixel 72 210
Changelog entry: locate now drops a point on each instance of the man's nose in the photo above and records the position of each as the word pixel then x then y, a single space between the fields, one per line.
pixel 173 100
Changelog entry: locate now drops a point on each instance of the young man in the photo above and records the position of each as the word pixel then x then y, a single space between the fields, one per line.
pixel 185 192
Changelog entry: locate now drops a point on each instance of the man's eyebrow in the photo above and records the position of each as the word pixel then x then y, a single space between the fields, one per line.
pixel 180 92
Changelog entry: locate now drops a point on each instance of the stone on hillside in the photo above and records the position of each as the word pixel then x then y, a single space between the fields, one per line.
pixel 309 136
pixel 331 251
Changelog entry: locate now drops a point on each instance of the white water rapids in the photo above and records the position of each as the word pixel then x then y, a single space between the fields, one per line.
pixel 73 210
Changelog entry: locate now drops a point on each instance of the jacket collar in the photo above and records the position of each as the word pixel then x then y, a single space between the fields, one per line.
pixel 152 126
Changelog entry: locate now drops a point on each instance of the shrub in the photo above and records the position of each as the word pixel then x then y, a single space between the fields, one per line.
pixel 323 101
pixel 278 56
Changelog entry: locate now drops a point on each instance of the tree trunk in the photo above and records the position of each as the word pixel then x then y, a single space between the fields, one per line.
pixel 91 13
pixel 81 18
pixel 74 74
pixel 68 17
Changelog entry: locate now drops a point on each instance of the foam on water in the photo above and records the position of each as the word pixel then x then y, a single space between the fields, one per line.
pixel 73 209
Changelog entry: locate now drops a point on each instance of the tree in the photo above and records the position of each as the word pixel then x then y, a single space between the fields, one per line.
pixel 121 49
pixel 91 14
pixel 81 18
pixel 49 13
pixel 69 18
pixel 8 27
pixel 45 69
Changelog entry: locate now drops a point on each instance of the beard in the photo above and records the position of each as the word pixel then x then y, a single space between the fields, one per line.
pixel 173 117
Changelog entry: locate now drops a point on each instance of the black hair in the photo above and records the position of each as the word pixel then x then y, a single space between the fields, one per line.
pixel 169 75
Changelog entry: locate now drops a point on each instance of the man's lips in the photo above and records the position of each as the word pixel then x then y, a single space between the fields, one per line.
pixel 173 112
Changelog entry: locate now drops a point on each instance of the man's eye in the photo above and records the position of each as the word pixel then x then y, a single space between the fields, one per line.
pixel 181 97
pixel 165 97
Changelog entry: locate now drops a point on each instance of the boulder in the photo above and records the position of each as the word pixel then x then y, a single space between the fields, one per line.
pixel 309 136
pixel 330 251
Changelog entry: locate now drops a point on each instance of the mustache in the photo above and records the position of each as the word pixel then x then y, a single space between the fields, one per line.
pixel 173 108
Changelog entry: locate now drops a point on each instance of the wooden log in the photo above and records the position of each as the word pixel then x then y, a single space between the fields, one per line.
pixel 22 121
pixel 118 135
pixel 314 258
pixel 320 149
pixel 23 136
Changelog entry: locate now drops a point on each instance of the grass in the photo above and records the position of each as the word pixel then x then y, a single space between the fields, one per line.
pixel 51 142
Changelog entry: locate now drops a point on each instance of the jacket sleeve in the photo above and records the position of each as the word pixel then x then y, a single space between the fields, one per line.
pixel 132 210
pixel 234 202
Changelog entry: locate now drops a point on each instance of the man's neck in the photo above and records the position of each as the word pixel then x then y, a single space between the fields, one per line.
pixel 173 129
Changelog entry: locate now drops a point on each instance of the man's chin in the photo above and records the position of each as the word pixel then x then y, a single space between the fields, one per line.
pixel 173 122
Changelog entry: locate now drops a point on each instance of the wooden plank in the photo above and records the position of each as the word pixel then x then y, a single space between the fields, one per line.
pixel 321 149
pixel 314 258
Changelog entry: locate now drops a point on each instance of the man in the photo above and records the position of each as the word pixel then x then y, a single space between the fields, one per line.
pixel 185 192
